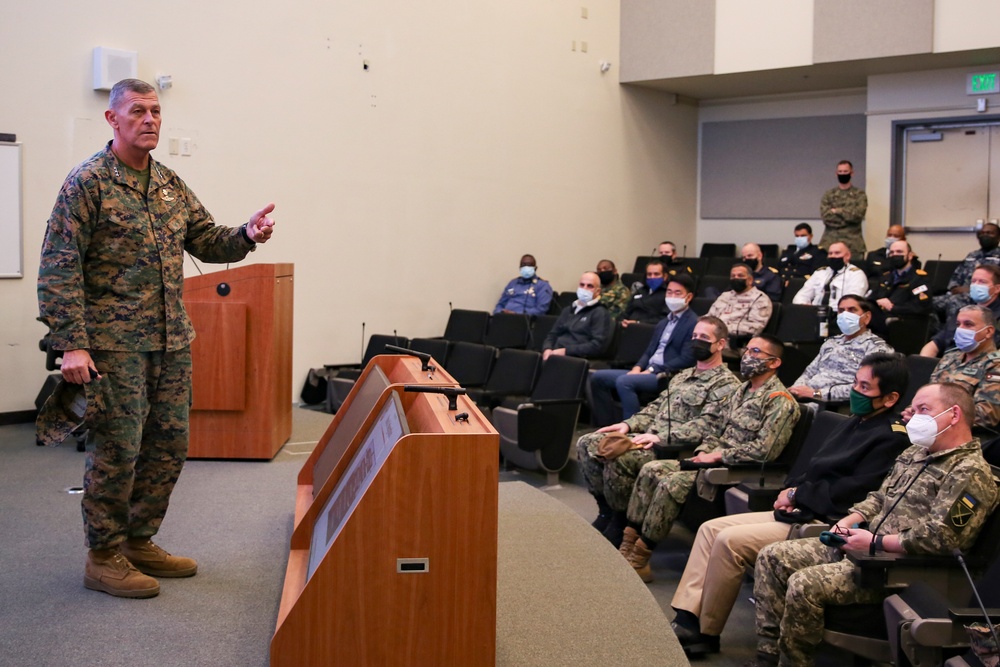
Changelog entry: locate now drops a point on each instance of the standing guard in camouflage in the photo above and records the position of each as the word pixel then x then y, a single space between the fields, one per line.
pixel 692 406
pixel 759 419
pixel 109 289
pixel 935 499
pixel 843 210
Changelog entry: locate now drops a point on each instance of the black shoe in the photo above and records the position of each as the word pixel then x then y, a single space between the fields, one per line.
pixel 601 522
pixel 685 635
pixel 701 646
pixel 615 529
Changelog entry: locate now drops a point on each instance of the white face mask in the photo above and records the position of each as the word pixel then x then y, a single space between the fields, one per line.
pixel 584 295
pixel 923 431
pixel 675 303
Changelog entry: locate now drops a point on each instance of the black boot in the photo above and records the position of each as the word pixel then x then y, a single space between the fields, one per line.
pixel 603 514
pixel 616 528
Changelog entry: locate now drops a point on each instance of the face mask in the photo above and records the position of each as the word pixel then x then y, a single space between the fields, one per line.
pixel 584 295
pixel 965 339
pixel 752 263
pixel 896 262
pixel 675 303
pixel 889 240
pixel 738 285
pixel 752 366
pixel 979 293
pixel 862 405
pixel 848 323
pixel 987 243
pixel 527 272
pixel 922 429
pixel 701 349
pixel 836 263
pixel 667 259
pixel 801 242
pixel 844 178
pixel 654 283
pixel 607 277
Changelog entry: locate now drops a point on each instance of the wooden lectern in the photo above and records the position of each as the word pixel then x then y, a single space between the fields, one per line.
pixel 393 557
pixel 242 361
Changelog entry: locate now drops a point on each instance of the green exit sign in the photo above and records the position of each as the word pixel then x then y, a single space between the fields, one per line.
pixel 984 83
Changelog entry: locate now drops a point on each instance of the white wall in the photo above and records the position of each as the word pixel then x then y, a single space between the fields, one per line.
pixel 762 35
pixel 476 135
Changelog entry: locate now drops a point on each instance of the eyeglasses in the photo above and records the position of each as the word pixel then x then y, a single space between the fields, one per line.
pixel 758 353
pixel 837 530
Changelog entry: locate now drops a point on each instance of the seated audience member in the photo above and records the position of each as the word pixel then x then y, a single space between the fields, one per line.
pixel 647 304
pixel 759 419
pixel 830 375
pixel 673 263
pixel 614 295
pixel 765 278
pixel 527 294
pixel 669 350
pixel 691 407
pixel 877 258
pixel 934 500
pixel 903 289
pixel 744 308
pixel 984 288
pixel 838 278
pixel 584 327
pixel 853 460
pixel 801 259
pixel 948 304
pixel 974 363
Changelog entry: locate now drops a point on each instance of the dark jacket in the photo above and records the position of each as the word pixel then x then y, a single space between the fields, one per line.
pixel 583 334
pixel 647 306
pixel 678 353
pixel 909 292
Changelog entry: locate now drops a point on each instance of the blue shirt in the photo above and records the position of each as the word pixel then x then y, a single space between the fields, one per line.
pixel 657 358
pixel 529 297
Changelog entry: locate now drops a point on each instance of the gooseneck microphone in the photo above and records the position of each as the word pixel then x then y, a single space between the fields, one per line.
pixel 451 392
pixel 975 591
pixel 422 356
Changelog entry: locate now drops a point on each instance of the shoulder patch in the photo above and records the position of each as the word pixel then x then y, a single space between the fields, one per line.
pixel 962 511
pixel 773 270
pixel 898 427
pixel 855 268
pixel 774 394
pixel 921 272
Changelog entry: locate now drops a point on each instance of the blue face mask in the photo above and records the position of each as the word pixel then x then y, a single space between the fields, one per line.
pixel 584 295
pixel 801 242
pixel 848 323
pixel 965 339
pixel 654 283
pixel 979 293
pixel 527 272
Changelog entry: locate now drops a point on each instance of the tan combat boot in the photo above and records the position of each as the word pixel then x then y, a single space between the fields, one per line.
pixel 639 560
pixel 110 572
pixel 628 541
pixel 151 559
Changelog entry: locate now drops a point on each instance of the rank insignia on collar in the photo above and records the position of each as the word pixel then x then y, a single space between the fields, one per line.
pixel 165 195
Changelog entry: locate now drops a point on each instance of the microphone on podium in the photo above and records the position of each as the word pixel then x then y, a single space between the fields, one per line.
pixel 451 392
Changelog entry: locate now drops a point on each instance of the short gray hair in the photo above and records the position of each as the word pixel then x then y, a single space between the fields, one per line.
pixel 128 86
pixel 989 319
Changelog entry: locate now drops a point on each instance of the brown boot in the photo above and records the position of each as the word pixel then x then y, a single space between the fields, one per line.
pixel 628 541
pixel 110 572
pixel 151 559
pixel 640 560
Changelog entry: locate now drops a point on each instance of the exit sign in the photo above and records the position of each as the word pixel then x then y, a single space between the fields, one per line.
pixel 985 83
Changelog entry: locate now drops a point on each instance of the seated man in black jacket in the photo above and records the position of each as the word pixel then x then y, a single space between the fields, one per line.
pixel 647 303
pixel 584 327
pixel 851 462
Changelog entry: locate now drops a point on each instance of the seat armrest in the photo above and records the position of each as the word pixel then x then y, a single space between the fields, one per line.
pixel 967 615
pixel 896 570
pixel 673 451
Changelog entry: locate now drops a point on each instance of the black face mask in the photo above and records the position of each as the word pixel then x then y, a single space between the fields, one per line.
pixel 667 259
pixel 836 263
pixel 988 243
pixel 844 178
pixel 701 349
pixel 607 277
pixel 896 262
pixel 738 285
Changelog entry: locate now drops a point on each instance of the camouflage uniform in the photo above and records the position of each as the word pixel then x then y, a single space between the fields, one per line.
pixel 745 314
pixel 944 509
pixel 949 304
pixel 980 376
pixel 849 280
pixel 757 427
pixel 697 401
pixel 110 281
pixel 832 371
pixel 844 225
pixel 615 298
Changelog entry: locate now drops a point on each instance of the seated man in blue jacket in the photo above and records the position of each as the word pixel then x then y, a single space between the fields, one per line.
pixel 669 350
pixel 584 327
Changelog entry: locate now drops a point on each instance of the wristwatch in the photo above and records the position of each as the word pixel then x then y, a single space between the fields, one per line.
pixel 878 543
pixel 791 495
pixel 818 394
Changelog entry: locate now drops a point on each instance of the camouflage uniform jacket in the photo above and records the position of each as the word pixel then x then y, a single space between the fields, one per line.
pixel 832 371
pixel 851 205
pixel 980 376
pixel 962 277
pixel 111 275
pixel 849 280
pixel 745 314
pixel 615 298
pixel 953 493
pixel 693 405
pixel 758 424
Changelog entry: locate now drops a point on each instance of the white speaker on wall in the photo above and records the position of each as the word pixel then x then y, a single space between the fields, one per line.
pixel 113 65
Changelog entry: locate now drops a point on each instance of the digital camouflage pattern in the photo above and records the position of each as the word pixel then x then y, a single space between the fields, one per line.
pixel 745 314
pixel 844 225
pixel 756 428
pixel 832 371
pixel 615 298
pixel 962 276
pixel 696 405
pixel 980 376
pixel 952 493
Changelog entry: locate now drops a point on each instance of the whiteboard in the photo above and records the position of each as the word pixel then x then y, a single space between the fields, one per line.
pixel 11 250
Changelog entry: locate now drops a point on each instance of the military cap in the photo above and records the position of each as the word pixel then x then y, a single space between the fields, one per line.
pixel 70 407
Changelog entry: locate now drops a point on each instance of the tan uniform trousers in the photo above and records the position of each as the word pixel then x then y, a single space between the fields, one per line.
pixel 721 552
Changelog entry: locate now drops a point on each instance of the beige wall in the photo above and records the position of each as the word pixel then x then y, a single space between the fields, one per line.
pixel 476 135
pixel 762 35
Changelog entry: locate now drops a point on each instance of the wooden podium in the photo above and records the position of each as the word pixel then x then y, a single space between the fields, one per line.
pixel 393 557
pixel 242 361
